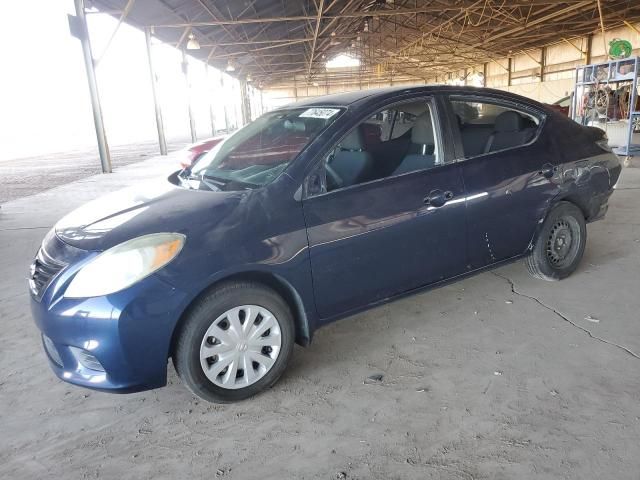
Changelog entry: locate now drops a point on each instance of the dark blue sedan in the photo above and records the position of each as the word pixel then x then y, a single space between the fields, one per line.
pixel 311 213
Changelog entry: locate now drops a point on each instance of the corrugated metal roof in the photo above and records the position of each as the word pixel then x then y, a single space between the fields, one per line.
pixel 274 39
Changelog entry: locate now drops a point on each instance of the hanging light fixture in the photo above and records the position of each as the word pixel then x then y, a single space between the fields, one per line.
pixel 334 41
pixel 366 26
pixel 230 67
pixel 249 78
pixel 193 44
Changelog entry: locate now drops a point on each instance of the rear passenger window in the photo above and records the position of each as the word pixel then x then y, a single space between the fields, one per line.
pixel 487 127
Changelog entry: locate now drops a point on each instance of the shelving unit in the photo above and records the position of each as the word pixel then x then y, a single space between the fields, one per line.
pixel 590 92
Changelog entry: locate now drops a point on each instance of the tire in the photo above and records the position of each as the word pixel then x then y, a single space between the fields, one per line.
pixel 560 243
pixel 232 305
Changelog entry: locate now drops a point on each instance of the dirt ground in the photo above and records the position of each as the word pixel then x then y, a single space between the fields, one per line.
pixel 25 176
pixel 499 376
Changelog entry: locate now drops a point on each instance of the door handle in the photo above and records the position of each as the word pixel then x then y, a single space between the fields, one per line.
pixel 548 170
pixel 438 198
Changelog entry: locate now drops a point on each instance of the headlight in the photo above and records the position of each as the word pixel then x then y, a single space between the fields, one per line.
pixel 125 264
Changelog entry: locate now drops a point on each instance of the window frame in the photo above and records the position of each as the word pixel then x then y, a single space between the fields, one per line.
pixel 500 102
pixel 318 168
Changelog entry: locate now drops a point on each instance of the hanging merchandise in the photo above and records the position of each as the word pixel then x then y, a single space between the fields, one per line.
pixel 606 95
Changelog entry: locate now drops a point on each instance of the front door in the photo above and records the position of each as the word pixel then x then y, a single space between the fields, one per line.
pixel 394 232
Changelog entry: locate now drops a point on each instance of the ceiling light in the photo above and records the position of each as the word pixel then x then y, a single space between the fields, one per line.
pixel 315 84
pixel 366 26
pixel 230 67
pixel 193 44
pixel 343 61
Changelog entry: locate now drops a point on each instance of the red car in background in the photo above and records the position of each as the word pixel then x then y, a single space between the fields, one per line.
pixel 193 152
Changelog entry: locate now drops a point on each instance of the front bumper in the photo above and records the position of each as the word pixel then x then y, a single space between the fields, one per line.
pixel 128 333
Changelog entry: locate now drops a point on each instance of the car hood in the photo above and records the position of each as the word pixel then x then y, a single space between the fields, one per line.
pixel 146 208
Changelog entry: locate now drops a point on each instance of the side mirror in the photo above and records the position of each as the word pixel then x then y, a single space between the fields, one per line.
pixel 314 184
pixel 311 186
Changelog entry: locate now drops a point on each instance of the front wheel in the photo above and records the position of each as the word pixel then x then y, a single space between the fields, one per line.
pixel 560 244
pixel 235 342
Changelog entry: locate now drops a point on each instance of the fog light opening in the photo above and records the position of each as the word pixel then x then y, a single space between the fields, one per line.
pixel 87 360
pixel 52 351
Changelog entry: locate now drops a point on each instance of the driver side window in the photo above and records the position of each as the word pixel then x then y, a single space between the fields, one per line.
pixel 392 141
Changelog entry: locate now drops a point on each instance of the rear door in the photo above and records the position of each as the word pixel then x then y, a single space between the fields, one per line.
pixel 509 167
pixel 388 235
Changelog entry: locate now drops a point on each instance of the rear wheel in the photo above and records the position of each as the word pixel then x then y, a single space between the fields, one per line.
pixel 560 244
pixel 235 342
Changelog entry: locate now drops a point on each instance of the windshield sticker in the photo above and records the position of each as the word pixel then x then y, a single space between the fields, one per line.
pixel 319 113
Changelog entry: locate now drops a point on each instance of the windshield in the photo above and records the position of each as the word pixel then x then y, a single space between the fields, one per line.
pixel 259 152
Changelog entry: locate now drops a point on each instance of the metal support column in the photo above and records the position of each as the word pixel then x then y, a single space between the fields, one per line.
pixel 159 123
pixel 212 118
pixel 185 70
pixel 224 106
pixel 634 114
pixel 261 103
pixel 509 71
pixel 587 55
pixel 83 34
pixel 244 103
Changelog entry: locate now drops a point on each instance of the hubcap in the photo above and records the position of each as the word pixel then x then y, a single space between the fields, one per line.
pixel 240 346
pixel 563 242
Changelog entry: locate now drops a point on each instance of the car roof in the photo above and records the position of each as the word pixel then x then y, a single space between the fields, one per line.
pixel 347 99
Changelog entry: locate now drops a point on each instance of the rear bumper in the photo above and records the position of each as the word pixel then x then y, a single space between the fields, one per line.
pixel 598 206
pixel 128 333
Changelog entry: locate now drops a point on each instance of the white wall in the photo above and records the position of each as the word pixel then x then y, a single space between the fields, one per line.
pixel 560 62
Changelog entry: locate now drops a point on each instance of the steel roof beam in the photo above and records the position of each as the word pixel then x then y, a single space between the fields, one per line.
pixel 354 14
pixel 315 36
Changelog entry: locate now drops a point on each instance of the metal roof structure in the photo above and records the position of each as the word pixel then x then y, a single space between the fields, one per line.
pixel 273 40
pixel 270 43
